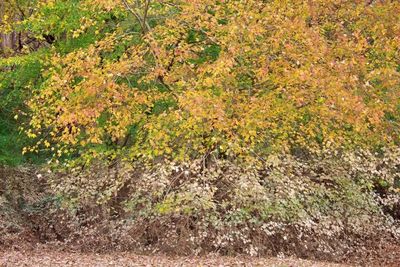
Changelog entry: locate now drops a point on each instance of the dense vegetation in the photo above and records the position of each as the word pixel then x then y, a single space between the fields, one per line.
pixel 228 123
pixel 183 80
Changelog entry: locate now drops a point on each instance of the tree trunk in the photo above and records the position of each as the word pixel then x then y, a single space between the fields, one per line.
pixel 8 40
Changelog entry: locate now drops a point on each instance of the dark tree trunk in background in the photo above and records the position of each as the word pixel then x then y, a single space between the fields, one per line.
pixel 7 41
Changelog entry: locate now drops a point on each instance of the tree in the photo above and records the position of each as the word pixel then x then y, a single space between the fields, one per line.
pixel 188 79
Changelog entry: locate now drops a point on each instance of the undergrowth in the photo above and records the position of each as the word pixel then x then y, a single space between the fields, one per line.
pixel 323 206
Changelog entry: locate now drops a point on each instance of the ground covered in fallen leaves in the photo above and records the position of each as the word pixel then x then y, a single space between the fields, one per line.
pixel 47 258
pixel 52 255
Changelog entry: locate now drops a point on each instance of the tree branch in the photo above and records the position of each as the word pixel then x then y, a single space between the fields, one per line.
pixel 142 21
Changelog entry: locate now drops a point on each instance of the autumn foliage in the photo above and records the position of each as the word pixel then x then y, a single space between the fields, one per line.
pixel 230 79
pixel 201 125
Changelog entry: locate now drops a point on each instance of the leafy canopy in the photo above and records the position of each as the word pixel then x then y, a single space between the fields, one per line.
pixel 186 79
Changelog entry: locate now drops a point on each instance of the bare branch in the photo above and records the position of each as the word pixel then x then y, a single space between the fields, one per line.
pixel 142 20
pixel 146 10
